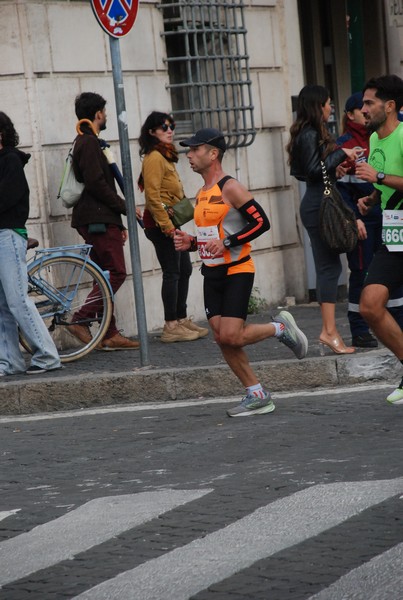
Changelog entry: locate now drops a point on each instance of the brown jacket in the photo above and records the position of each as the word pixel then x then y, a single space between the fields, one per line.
pixel 99 202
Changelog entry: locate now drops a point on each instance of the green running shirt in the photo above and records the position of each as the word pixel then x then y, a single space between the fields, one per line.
pixel 386 156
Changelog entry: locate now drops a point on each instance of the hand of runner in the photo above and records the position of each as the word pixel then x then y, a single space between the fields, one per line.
pixel 215 248
pixel 181 240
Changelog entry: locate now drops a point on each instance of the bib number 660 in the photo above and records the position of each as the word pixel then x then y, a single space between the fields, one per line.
pixel 393 235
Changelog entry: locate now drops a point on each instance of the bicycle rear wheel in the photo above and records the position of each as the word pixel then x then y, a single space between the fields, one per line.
pixel 67 291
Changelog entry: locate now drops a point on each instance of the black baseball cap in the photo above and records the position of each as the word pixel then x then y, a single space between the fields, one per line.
pixel 353 102
pixel 209 135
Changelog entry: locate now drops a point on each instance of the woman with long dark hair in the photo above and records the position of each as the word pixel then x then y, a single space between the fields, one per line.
pixel 163 187
pixel 310 143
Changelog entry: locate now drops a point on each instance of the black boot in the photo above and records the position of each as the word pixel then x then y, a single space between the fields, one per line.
pixel 365 340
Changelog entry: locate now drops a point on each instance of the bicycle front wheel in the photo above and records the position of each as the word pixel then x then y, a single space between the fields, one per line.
pixel 67 291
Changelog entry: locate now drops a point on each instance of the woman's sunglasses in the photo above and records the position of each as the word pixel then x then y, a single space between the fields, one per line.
pixel 165 127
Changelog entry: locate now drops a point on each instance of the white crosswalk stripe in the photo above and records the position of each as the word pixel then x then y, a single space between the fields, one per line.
pixel 190 569
pixel 194 567
pixel 8 513
pixel 379 579
pixel 81 529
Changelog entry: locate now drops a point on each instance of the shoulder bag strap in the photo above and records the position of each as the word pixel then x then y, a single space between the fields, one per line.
pixel 326 179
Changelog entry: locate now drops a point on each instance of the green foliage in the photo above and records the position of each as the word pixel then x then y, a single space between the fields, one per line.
pixel 256 302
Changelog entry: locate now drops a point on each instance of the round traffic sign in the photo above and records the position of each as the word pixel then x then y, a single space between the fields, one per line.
pixel 116 17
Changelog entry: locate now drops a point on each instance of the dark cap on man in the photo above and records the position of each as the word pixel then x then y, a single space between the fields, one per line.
pixel 355 101
pixel 209 135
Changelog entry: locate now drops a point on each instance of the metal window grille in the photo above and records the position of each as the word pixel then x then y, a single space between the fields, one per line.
pixel 208 67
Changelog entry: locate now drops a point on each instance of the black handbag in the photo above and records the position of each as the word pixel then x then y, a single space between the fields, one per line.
pixel 337 221
pixel 181 212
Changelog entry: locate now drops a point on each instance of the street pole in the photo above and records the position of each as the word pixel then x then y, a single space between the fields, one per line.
pixel 130 202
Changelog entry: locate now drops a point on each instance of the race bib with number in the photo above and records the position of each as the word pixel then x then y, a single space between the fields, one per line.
pixel 204 235
pixel 392 230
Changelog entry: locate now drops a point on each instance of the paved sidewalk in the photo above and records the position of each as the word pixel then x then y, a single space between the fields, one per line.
pixel 195 369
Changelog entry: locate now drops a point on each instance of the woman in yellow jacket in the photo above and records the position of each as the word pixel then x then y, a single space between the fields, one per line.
pixel 162 187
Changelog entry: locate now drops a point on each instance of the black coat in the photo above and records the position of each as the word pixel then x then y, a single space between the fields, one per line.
pixel 14 189
pixel 307 154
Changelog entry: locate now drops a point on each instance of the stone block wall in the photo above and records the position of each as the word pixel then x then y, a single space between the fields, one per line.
pixel 52 50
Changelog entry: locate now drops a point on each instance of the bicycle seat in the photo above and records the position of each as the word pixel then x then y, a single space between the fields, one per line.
pixel 32 243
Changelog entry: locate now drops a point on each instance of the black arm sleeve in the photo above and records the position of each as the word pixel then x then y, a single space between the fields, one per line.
pixel 258 223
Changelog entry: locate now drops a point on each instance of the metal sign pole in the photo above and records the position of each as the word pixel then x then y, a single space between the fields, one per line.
pixel 129 197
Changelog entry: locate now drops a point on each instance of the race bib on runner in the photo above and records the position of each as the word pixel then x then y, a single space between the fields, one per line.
pixel 204 235
pixel 392 230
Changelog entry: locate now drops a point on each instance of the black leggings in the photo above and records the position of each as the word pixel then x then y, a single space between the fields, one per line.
pixel 327 263
pixel 176 271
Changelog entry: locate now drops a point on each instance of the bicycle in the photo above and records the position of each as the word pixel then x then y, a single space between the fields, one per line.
pixel 64 282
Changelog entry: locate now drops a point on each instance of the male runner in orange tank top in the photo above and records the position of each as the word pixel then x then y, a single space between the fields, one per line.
pixel 227 219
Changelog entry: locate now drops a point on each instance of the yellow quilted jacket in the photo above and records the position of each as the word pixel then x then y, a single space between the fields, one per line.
pixel 162 186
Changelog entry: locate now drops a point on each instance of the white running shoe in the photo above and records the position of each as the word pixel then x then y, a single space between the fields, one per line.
pixel 252 405
pixel 292 336
pixel 396 397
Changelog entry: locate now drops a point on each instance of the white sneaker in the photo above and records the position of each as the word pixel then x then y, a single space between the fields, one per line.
pixel 396 397
pixel 252 405
pixel 292 336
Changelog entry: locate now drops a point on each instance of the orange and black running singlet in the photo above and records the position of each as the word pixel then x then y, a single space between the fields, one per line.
pixel 216 220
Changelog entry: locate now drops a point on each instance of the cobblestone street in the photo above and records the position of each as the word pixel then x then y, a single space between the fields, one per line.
pixel 182 502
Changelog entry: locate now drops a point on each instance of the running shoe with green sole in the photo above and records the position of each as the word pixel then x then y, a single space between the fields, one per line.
pixel 396 397
pixel 292 336
pixel 252 405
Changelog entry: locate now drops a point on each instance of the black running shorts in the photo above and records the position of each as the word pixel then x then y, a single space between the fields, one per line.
pixel 386 269
pixel 228 295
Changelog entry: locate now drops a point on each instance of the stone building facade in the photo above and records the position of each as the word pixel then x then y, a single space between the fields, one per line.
pixel 51 50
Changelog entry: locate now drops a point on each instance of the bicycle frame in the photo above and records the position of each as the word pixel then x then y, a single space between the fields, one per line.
pixel 63 297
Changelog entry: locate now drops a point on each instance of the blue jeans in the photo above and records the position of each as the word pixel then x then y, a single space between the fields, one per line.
pixel 18 311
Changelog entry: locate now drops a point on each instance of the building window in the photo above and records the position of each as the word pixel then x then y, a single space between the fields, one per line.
pixel 208 67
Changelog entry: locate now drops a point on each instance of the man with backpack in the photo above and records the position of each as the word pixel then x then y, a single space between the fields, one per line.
pixel 97 216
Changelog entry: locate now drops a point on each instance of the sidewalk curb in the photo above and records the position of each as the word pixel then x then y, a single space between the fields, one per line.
pixel 49 394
